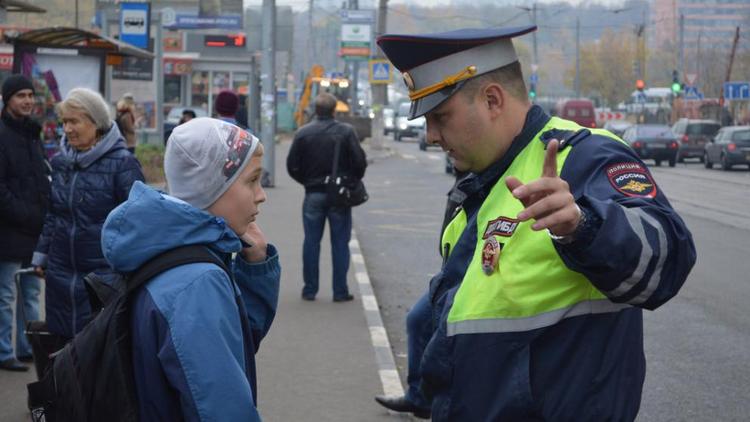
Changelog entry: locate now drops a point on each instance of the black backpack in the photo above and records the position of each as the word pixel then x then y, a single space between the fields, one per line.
pixel 91 378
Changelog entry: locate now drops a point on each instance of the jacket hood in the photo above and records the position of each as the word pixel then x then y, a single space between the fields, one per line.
pixel 111 140
pixel 150 223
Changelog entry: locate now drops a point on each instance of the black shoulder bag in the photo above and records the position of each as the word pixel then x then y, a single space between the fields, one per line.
pixel 343 190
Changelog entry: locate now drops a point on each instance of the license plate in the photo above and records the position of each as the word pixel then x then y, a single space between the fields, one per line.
pixel 657 146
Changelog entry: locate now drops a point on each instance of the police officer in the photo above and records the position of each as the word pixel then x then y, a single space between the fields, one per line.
pixel 562 240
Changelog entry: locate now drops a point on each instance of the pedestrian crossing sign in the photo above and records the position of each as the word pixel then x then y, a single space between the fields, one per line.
pixel 381 72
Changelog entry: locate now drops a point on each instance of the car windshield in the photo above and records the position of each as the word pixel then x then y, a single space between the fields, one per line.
pixel 703 129
pixel 655 132
pixel 742 135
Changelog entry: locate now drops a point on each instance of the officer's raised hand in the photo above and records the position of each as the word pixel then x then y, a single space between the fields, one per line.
pixel 548 199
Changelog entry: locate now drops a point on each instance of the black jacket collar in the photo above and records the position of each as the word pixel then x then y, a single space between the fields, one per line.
pixel 23 124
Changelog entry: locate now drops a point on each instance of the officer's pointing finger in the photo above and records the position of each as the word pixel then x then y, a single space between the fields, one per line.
pixel 513 185
pixel 550 159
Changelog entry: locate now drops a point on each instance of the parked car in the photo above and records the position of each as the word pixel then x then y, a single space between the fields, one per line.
pixel 405 127
pixel 693 136
pixel 730 146
pixel 580 111
pixel 656 142
pixel 388 120
pixel 617 127
pixel 174 116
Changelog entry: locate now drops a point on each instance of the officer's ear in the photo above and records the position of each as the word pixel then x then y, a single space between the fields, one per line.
pixel 493 97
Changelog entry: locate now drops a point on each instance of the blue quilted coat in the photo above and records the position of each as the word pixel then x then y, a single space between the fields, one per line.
pixel 86 186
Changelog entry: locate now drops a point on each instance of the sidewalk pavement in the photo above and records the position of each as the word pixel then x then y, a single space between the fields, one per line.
pixel 317 362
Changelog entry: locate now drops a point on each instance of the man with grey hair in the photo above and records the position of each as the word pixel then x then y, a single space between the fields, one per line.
pixel 309 162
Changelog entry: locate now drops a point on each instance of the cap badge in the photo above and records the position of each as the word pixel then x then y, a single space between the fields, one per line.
pixel 408 81
pixel 490 255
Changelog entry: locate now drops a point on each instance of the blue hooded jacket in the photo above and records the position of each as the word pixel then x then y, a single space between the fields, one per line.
pixel 190 359
pixel 86 186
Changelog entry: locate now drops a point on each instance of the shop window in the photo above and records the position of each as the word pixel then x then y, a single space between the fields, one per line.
pixel 199 90
pixel 172 89
pixel 220 83
pixel 240 82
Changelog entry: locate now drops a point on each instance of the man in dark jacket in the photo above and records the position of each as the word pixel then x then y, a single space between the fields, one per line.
pixel 24 195
pixel 310 160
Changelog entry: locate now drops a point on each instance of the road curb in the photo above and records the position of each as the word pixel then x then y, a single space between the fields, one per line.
pixel 378 335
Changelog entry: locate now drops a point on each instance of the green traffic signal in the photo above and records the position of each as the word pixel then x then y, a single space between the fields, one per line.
pixel 676 87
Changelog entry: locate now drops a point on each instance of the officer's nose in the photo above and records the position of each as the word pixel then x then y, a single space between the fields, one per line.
pixel 432 136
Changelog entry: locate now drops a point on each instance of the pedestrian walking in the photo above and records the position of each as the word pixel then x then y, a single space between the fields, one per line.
pixel 125 120
pixel 310 162
pixel 561 241
pixel 24 198
pixel 90 177
pixel 196 329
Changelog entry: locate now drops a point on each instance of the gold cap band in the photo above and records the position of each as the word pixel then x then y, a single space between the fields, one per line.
pixel 466 73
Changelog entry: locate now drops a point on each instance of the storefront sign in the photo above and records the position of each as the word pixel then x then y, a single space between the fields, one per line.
pixel 172 42
pixel 134 68
pixel 135 23
pixel 6 61
pixel 178 66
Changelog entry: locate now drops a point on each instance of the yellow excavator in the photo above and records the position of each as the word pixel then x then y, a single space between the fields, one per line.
pixel 315 83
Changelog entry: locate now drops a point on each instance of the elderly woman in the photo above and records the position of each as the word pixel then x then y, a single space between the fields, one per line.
pixel 90 177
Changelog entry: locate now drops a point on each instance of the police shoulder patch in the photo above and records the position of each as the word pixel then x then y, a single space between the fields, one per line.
pixel 631 179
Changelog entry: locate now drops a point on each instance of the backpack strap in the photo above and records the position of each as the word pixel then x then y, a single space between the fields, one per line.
pixel 170 259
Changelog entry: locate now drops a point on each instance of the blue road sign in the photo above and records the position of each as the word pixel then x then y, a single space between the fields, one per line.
pixel 534 78
pixel 135 23
pixel 692 93
pixel 380 72
pixel 737 90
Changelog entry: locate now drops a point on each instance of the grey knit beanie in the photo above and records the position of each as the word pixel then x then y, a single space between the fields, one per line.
pixel 92 103
pixel 204 157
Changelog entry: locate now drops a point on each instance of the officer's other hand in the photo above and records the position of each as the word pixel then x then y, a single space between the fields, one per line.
pixel 257 241
pixel 548 199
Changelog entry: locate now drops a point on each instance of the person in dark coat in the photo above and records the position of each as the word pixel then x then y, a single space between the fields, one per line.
pixel 90 177
pixel 24 195
pixel 309 161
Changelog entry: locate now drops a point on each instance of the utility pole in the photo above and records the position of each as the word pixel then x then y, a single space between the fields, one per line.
pixel 354 104
pixel 76 18
pixel 159 75
pixel 268 90
pixel 578 58
pixel 729 68
pixel 310 36
pixel 681 63
pixel 379 91
pixel 533 18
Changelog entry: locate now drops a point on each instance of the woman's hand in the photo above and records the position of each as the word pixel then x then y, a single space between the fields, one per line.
pixel 257 241
pixel 39 271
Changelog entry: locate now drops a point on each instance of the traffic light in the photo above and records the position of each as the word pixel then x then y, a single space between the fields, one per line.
pixel 676 86
pixel 639 84
pixel 532 91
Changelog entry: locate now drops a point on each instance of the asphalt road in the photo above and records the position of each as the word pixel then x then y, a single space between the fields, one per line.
pixel 696 345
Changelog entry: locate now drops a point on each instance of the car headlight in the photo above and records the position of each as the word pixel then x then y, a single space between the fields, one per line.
pixel 403 125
